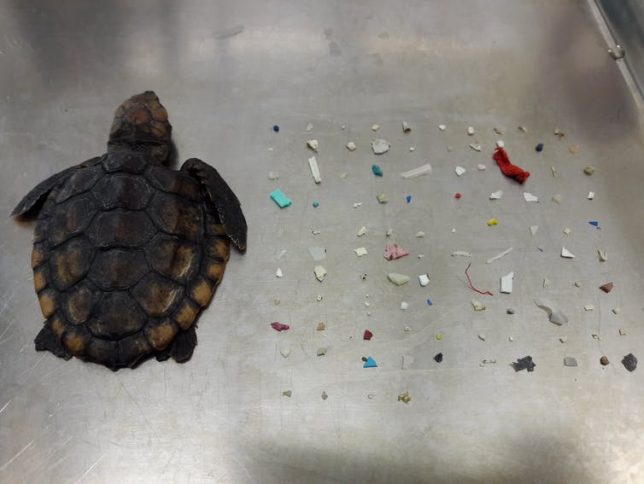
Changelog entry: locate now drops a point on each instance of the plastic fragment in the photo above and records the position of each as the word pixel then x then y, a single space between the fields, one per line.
pixel 500 143
pixel 442 127
pixel 539 148
pixel 315 169
pixel 567 231
pixel 280 327
pixel 529 197
pixel 351 146
pixel 394 251
pixel 361 231
pixel 471 286
pixel 602 255
pixel 318 253
pixel 475 146
pixel 481 337
pixel 481 167
pixel 485 363
pixel 510 311
pixel 320 273
pixel 375 127
pixel 398 279
pixel 608 287
pixel 506 283
pixel 276 301
pixel 589 170
pixel 404 305
pixel 546 282
pixel 324 395
pixel 502 254
pixel 429 302
pixel 523 129
pixel 408 198
pixel 279 273
pixel 416 172
pixel 497 130
pixel 420 234
pixel 423 280
pixel 590 196
pixel 555 314
pixel 360 251
pixel 595 336
pixel 524 363
pixel 553 170
pixel 604 360
pixel 273 175
pixel 287 393
pixel 533 229
pixel 405 127
pixel 404 397
pixel 376 170
pixel 315 204
pixel 321 326
pixel 492 222
pixel 630 362
pixel 412 148
pixel 313 144
pixel 569 361
pixel 321 351
pixel 594 223
pixel 389 232
pixel 280 198
pixel 560 134
pixel 285 352
pixel 616 310
pixel 471 130
pixel 496 195
pixel 621 332
pixel 507 168
pixel 309 126
pixel 382 198
pixel 343 175
pixel 315 232
pixel 563 339
pixel 380 146
pixel 461 253
pixel 370 363
pixel 276 128
pixel 357 204
pixel 439 336
pixel 438 358
pixel 459 170
pixel 566 254
pixel 478 305
pixel 367 335
pixel 557 198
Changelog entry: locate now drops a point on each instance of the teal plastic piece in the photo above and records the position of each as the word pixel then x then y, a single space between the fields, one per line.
pixel 376 170
pixel 316 204
pixel 370 363
pixel 280 199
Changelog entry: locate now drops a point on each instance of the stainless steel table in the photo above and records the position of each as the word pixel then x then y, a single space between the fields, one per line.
pixel 229 71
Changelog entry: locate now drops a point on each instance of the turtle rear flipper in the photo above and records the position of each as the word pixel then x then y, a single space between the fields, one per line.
pixel 223 198
pixel 183 345
pixel 48 341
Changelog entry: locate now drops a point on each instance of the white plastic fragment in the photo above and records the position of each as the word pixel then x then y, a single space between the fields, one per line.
pixel 554 171
pixel 475 146
pixel 389 232
pixel 380 146
pixel 316 232
pixel 470 130
pixel 577 284
pixel 481 167
pixel 615 311
pixel 315 169
pixel 602 255
pixel 357 205
pixel 398 279
pixel 546 282
pixel 421 170
pixel 557 198
pixel 285 352
pixel 529 197
pixel 360 251
pixel 567 231
pixel 420 234
pixel 487 362
pixel 375 127
pixel 523 129
pixel 423 279
pixel 404 305
pixel 321 351
pixel 589 307
pixel 481 336
pixel 309 126
pixel 533 229
pixel 273 175
pixel 500 143
pixel 351 146
pixel 565 253
pixel 313 144
pixel 591 195
pixel 459 170
pixel 496 195
pixel 318 253
pixel 442 127
pixel 478 305
pixel 362 231
pixel 405 127
pixel 502 254
pixel 279 273
pixel 320 273
pixel 412 148
pixel 506 283
pixel 461 253
pixel 555 314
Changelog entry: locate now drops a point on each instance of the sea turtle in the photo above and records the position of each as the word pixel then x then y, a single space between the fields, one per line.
pixel 127 251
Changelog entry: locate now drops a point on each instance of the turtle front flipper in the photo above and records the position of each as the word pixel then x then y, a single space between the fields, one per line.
pixel 222 197
pixel 31 203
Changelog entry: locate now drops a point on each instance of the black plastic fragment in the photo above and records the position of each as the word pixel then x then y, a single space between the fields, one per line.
pixel 524 363
pixel 438 358
pixel 629 362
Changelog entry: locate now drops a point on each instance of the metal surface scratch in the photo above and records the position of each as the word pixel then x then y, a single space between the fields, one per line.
pixel 89 469
pixel 5 406
pixel 8 463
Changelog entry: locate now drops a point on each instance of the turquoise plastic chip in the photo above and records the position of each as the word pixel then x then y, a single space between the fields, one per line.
pixel 280 199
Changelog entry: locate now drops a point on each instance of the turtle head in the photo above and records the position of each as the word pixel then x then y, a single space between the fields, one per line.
pixel 141 123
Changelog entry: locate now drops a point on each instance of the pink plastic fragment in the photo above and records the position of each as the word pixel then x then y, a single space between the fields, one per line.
pixel 367 335
pixel 394 251
pixel 279 326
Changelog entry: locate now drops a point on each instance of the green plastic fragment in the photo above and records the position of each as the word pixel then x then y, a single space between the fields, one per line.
pixel 376 170
pixel 280 198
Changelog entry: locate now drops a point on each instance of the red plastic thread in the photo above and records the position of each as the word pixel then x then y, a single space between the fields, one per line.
pixel 469 281
pixel 507 168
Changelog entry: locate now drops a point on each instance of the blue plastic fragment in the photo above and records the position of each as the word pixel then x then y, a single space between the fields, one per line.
pixel 376 170
pixel 408 198
pixel 276 128
pixel 539 147
pixel 429 302
pixel 370 363
pixel 316 204
pixel 280 199
pixel 594 223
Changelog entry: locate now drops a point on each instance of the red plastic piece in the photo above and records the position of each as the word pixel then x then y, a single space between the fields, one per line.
pixel 279 326
pixel 457 195
pixel 394 251
pixel 507 168
pixel 367 335
pixel 471 286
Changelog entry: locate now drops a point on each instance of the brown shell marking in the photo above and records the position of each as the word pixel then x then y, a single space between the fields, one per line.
pixel 160 333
